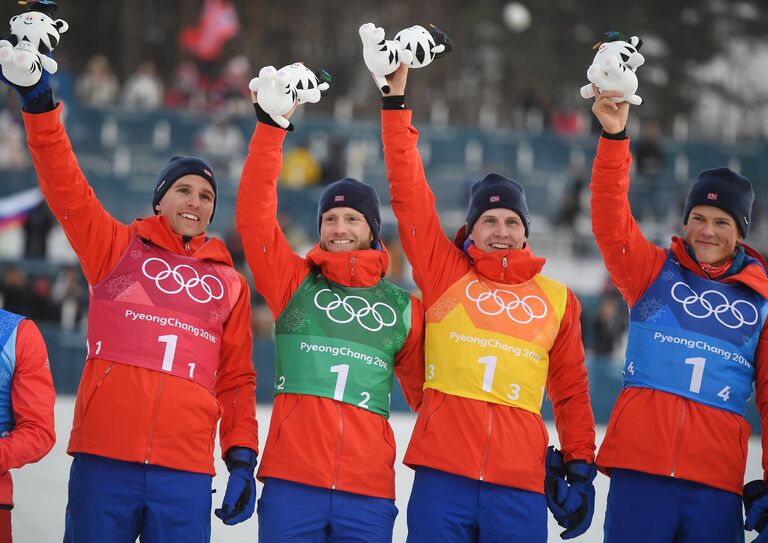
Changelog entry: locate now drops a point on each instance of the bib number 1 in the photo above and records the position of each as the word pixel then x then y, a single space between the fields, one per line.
pixel 697 376
pixel 170 352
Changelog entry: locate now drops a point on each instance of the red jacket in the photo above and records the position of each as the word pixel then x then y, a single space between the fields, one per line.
pixel 32 403
pixel 481 440
pixel 313 440
pixel 123 411
pixel 653 431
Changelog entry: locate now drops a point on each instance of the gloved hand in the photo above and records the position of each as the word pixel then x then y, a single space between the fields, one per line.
pixel 756 506
pixel 240 496
pixel 570 493
pixel 38 92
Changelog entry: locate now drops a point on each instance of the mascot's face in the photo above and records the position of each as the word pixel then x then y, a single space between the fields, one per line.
pixel 39 29
pixel 420 42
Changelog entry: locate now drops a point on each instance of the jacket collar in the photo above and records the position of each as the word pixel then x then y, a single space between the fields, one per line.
pixel 357 269
pixel 158 230
pixel 513 266
pixel 753 274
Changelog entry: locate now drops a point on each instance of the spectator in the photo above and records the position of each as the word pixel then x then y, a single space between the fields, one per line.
pixel 230 93
pixel 14 290
pixel 222 142
pixel 98 85
pixel 188 88
pixel 36 229
pixel 43 308
pixel 143 90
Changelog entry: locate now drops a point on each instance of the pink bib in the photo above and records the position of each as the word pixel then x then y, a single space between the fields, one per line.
pixel 162 311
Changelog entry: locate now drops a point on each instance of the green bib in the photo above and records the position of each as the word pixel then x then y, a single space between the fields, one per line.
pixel 340 342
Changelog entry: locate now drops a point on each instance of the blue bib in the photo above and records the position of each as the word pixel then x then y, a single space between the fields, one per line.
pixel 696 338
pixel 9 324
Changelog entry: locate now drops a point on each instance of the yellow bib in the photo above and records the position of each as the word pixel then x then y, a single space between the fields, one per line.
pixel 491 341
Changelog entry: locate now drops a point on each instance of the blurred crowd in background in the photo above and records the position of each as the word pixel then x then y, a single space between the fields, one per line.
pixel 515 69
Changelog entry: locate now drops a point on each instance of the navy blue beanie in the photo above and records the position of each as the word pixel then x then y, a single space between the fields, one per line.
pixel 351 193
pixel 724 189
pixel 496 191
pixel 178 167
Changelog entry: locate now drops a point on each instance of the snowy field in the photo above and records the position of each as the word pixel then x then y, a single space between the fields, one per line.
pixel 41 489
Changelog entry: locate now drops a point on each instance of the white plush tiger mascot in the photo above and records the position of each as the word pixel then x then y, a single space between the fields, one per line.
pixel 613 69
pixel 423 44
pixel 34 34
pixel 308 87
pixel 275 93
pixel 382 57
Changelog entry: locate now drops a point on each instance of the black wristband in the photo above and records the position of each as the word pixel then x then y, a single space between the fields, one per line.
pixel 264 117
pixel 41 104
pixel 393 102
pixel 617 136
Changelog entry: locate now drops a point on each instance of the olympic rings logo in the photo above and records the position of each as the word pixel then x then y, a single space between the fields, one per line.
pixel 703 305
pixel 171 281
pixel 535 310
pixel 343 311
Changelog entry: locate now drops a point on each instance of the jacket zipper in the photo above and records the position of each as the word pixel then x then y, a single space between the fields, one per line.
pixel 504 265
pixel 98 385
pixel 679 439
pixel 487 446
pixel 186 247
pixel 338 447
pixel 352 265
pixel 153 423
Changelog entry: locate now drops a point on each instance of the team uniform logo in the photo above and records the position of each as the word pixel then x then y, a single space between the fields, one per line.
pixel 711 302
pixel 495 302
pixel 183 277
pixel 344 310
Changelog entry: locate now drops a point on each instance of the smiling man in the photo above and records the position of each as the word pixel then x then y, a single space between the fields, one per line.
pixel 169 352
pixel 676 445
pixel 341 332
pixel 498 335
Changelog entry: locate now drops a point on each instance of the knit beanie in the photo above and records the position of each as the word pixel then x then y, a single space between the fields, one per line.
pixel 724 189
pixel 496 191
pixel 178 167
pixel 351 193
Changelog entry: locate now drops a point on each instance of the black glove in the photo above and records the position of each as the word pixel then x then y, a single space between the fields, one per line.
pixel 570 492
pixel 35 99
pixel 264 117
pixel 756 506
pixel 240 497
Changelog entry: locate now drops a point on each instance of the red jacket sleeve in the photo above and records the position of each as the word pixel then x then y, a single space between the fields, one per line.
pixel 96 237
pixel 568 388
pixel 632 261
pixel 277 270
pixel 235 384
pixel 32 395
pixel 761 393
pixel 409 363
pixel 437 263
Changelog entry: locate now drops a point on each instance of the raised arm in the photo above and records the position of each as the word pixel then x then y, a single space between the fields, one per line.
pixel 434 257
pixel 32 396
pixel 277 270
pixel 631 260
pixel 93 233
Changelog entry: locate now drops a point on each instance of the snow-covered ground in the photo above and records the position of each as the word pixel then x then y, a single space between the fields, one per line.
pixel 41 489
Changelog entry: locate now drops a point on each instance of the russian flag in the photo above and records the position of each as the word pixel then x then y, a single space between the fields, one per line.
pixel 15 207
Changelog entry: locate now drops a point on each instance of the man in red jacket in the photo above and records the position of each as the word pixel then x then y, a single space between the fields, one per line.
pixel 498 334
pixel 26 405
pixel 341 332
pixel 169 352
pixel 676 445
